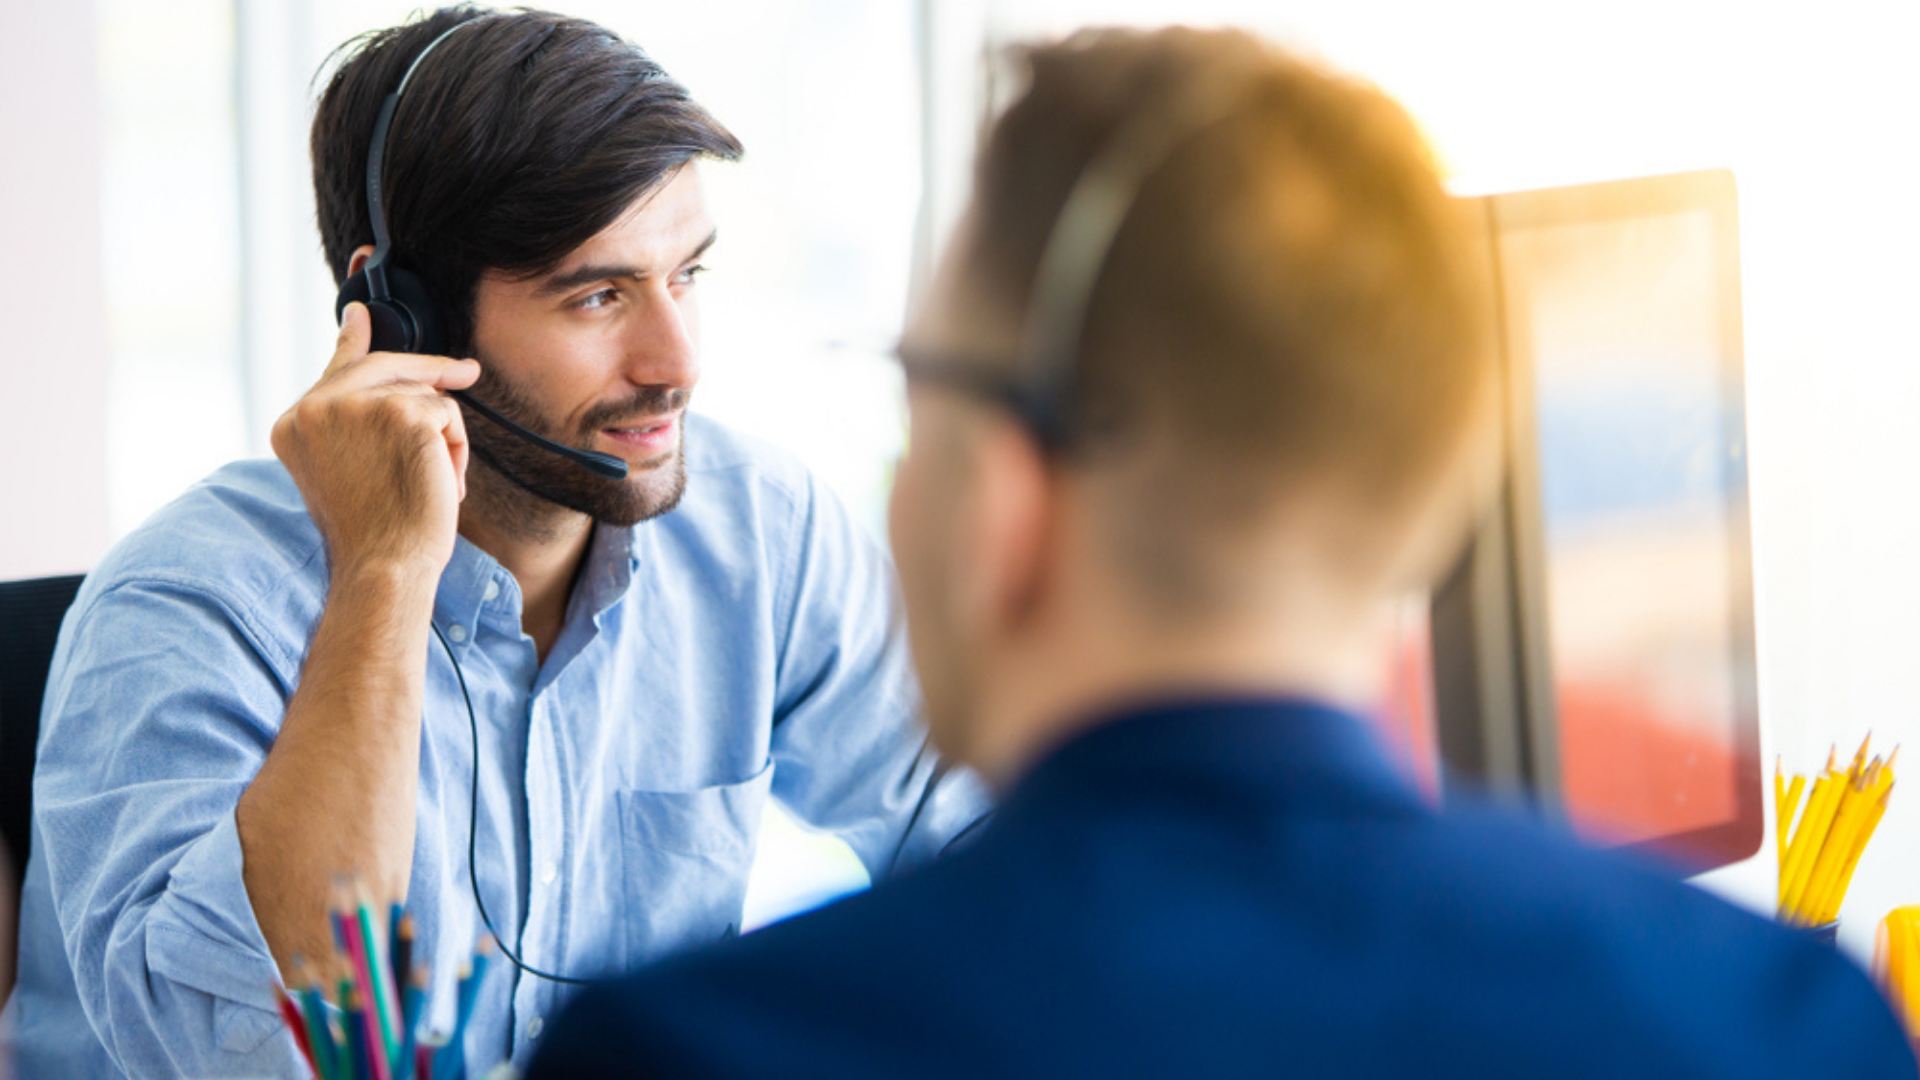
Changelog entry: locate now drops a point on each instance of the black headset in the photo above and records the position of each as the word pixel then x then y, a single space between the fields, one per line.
pixel 404 315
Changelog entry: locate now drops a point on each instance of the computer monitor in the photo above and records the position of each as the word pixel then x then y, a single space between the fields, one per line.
pixel 1593 653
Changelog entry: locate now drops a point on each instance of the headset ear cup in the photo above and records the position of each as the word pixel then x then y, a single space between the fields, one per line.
pixel 394 328
pixel 410 294
pixel 407 322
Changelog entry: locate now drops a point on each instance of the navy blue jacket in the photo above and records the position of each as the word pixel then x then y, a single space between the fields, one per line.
pixel 1246 888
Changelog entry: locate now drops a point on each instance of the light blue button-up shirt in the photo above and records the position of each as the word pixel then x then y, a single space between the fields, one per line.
pixel 746 644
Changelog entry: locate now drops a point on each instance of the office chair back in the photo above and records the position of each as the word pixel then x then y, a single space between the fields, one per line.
pixel 30 614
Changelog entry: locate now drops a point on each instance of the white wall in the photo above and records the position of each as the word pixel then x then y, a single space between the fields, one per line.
pixel 53 335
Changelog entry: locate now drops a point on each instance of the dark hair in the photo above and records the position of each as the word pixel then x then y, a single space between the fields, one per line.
pixel 516 141
pixel 1294 303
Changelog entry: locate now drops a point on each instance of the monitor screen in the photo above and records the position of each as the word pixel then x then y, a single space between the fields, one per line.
pixel 1625 562
pixel 1641 492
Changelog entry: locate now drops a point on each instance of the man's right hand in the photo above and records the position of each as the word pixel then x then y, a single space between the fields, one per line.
pixel 379 453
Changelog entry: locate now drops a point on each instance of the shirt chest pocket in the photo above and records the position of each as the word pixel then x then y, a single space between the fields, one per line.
pixel 686 855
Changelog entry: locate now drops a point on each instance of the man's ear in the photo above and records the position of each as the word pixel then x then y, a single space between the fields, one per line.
pixel 1006 547
pixel 359 259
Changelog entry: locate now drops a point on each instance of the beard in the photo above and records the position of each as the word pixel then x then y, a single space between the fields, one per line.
pixel 540 485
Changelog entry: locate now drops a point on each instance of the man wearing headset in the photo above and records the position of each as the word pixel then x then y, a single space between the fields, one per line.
pixel 419 643
pixel 1202 388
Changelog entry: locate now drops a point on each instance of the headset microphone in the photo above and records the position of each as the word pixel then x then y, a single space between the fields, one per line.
pixel 602 464
pixel 403 313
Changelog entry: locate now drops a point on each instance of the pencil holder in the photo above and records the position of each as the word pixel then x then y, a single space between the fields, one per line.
pixel 1827 934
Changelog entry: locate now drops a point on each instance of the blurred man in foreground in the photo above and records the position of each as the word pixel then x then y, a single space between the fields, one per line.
pixel 1203 387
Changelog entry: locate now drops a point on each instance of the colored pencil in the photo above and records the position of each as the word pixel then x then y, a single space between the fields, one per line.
pixel 351 1042
pixel 326 1051
pixel 313 1009
pixel 385 1003
pixel 357 960
pixel 358 1031
pixel 449 1062
pixel 297 1027
pixel 401 928
pixel 413 1002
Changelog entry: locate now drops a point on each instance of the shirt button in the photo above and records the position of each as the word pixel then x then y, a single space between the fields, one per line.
pixel 535 1026
pixel 457 632
pixel 548 872
pixel 493 591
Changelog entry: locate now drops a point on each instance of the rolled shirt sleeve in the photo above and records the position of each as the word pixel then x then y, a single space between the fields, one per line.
pixel 160 712
pixel 848 700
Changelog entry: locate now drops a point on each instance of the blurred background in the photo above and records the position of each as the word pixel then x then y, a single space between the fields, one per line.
pixel 163 298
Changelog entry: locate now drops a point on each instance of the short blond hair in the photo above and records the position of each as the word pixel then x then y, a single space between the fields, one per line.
pixel 1293 303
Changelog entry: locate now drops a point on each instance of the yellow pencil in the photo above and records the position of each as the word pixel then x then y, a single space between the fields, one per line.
pixel 1854 805
pixel 1838 894
pixel 1807 840
pixel 1784 807
pixel 1832 853
pixel 1798 838
pixel 1874 785
pixel 1859 758
pixel 1873 804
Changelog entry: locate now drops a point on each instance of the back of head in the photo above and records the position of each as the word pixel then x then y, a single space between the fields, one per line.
pixel 519 138
pixel 1289 332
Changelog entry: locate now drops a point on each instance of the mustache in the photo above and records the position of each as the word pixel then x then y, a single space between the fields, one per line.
pixel 645 403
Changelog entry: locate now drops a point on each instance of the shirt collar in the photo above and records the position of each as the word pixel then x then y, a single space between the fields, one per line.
pixel 471 581
pixel 1281 751
pixel 612 557
pixel 474 585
